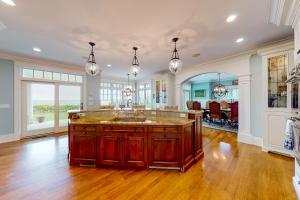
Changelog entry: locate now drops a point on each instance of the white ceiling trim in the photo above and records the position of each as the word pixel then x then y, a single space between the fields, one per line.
pixel 38 61
pixel 277 7
pixel 294 13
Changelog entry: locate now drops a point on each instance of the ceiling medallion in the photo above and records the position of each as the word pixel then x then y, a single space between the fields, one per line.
pixel 219 91
pixel 175 64
pixel 128 91
pixel 135 66
pixel 91 66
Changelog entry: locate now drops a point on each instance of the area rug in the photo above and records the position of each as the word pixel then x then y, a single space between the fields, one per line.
pixel 225 127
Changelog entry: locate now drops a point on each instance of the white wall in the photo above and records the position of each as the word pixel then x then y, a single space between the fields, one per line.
pixel 256 95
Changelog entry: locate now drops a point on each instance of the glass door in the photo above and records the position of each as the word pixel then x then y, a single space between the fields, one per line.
pixel 69 99
pixel 38 108
pixel 45 106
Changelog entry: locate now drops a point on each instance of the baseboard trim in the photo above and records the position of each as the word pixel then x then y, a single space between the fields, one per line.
pixel 9 137
pixel 250 139
pixel 296 186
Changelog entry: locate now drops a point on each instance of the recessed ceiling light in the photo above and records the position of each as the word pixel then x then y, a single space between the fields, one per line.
pixel 9 2
pixel 36 49
pixel 231 18
pixel 108 65
pixel 239 40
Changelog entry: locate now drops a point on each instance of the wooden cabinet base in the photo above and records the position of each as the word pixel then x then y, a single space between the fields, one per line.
pixel 132 146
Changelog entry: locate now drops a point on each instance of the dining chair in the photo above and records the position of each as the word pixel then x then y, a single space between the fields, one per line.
pixel 234 118
pixel 196 105
pixel 215 111
pixel 224 104
pixel 189 104
pixel 207 104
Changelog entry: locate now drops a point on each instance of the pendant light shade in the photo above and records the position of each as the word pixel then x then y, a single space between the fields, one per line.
pixel 135 67
pixel 175 64
pixel 91 66
pixel 219 91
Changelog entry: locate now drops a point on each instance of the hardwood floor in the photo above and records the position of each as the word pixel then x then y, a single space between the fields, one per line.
pixel 38 169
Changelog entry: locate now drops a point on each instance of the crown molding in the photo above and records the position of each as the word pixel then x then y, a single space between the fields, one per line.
pixel 20 58
pixel 293 16
pixel 282 46
pixel 285 12
pixel 277 8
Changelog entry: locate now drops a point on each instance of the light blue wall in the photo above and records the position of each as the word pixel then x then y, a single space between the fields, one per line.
pixel 201 86
pixel 6 97
pixel 206 86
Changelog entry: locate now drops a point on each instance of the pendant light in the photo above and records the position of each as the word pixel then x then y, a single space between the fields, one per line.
pixel 135 67
pixel 175 64
pixel 91 66
pixel 219 91
pixel 128 91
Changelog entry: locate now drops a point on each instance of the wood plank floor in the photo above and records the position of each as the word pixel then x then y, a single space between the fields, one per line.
pixel 38 169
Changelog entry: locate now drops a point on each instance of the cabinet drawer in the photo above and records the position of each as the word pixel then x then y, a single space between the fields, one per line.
pixel 122 129
pixel 85 128
pixel 164 129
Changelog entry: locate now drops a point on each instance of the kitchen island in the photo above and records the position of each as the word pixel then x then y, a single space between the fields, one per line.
pixel 135 138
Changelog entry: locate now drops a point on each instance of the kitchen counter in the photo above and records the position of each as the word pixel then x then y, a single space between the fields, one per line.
pixel 137 139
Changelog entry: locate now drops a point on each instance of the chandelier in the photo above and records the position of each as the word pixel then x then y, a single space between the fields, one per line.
pixel 128 91
pixel 91 66
pixel 135 66
pixel 175 64
pixel 219 91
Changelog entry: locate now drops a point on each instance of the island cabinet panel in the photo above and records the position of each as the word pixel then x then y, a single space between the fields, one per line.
pixel 198 147
pixel 188 148
pixel 109 149
pixel 164 147
pixel 122 146
pixel 83 146
pixel 135 149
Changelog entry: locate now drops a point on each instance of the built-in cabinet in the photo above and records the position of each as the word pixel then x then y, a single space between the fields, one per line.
pixel 277 95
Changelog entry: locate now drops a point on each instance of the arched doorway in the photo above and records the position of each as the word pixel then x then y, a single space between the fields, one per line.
pixel 199 89
pixel 238 66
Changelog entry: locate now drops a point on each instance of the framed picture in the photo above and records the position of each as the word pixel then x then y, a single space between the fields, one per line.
pixel 200 93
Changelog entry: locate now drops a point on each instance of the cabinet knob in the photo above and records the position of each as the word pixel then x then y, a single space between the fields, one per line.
pixel 298 52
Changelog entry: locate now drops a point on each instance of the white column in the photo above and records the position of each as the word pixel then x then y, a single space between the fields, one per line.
pixel 178 97
pixel 93 91
pixel 244 133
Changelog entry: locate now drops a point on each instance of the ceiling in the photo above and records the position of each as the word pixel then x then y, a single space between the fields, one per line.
pixel 62 29
pixel 212 77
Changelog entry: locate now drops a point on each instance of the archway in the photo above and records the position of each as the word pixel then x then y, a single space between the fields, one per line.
pixel 198 89
pixel 238 66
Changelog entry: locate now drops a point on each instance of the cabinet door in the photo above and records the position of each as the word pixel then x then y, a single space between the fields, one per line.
pixel 84 148
pixel 135 149
pixel 164 150
pixel 109 151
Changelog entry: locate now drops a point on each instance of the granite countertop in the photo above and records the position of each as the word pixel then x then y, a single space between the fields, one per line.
pixel 148 121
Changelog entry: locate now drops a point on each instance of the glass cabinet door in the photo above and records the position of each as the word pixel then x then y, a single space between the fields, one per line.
pixel 277 75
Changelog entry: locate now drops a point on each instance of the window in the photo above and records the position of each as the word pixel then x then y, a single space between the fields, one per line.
pixel 27 73
pixel 144 94
pixel 46 75
pixel 111 93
